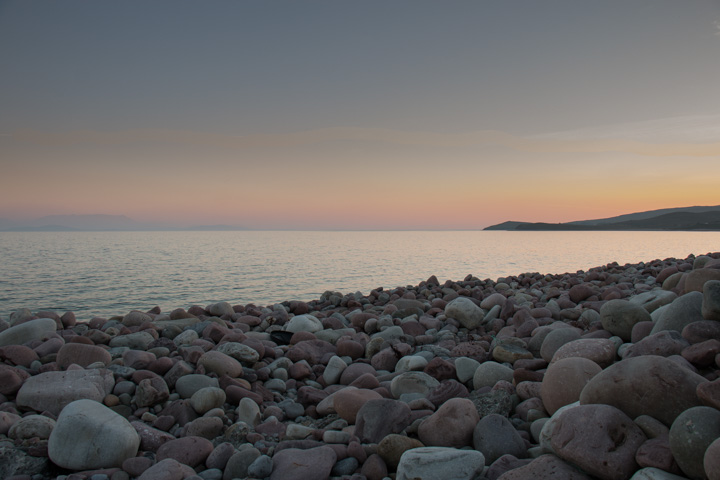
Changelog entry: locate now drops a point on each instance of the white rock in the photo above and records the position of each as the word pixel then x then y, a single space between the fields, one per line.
pixel 239 351
pixel 412 382
pixel 89 435
pixel 489 373
pixel 303 323
pixel 51 391
pixel 206 399
pixel 430 463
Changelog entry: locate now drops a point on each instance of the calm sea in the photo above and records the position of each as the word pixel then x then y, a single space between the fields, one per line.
pixel 111 273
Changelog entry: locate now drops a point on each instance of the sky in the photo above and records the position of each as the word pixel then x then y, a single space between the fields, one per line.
pixel 373 114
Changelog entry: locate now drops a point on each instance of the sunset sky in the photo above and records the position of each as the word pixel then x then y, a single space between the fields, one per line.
pixel 387 114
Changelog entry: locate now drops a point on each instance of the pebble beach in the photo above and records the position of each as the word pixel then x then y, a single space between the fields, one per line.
pixel 609 373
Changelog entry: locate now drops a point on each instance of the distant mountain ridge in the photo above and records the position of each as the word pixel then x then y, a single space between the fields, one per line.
pixel 679 219
pixel 99 223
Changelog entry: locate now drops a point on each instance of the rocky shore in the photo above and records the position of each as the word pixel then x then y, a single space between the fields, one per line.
pixel 610 373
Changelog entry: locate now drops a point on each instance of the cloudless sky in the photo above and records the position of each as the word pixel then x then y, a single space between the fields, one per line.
pixel 366 114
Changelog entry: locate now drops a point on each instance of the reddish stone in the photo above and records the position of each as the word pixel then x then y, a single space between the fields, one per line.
pixel 709 393
pixel 702 354
pixel 656 453
pixel 440 369
pixel 354 371
pixel 81 354
pixel 311 351
pixel 350 348
pixel 191 451
pixel 18 355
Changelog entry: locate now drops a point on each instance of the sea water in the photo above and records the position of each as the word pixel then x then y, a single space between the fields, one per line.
pixel 111 273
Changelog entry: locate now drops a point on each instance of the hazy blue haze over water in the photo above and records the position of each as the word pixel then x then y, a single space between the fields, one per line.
pixel 111 273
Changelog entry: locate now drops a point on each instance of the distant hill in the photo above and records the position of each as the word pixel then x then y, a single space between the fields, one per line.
pixel 98 223
pixel 681 219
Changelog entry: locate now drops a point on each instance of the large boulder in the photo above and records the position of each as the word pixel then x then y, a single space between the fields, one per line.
pixel 564 380
pixel 88 435
pixel 51 391
pixel 691 434
pixel 600 439
pixel 648 385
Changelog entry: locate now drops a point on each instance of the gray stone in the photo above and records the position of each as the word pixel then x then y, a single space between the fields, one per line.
pixel 681 312
pixel 652 473
pixel 303 323
pixel 465 311
pixel 691 434
pixel 495 436
pixel 219 309
pixel 51 391
pixel 412 382
pixel 14 461
pixel 248 411
pixel 89 435
pixel 429 463
pixel 489 373
pixel 653 299
pixel 187 385
pixel 545 467
pixel 334 370
pixel 619 316
pixel 465 368
pixel 32 426
pixel 711 300
pixel 239 351
pixel 134 341
pixel 554 339
pixel 206 399
pixel 239 463
pixel 261 467
pixel 26 332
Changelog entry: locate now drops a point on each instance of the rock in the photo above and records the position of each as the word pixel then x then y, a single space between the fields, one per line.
pixel 133 341
pixel 653 299
pixel 681 312
pixel 334 370
pixel 648 385
pixel 600 439
pixel 564 381
pixel 655 474
pixel 393 446
pixel 88 435
pixel 240 352
pixel 556 339
pixel 711 300
pixel 311 464
pixel 691 434
pixel 412 382
pixel 545 467
pixel 26 332
pixel 488 374
pixel 374 468
pixel 656 453
pixel 151 391
pixel 665 344
pixel 167 469
pixel 32 426
pixel 261 467
pixel 452 425
pixel 238 465
pixel 11 379
pixel 219 309
pixel 505 464
pixel 619 316
pixel 510 353
pixel 191 451
pixel 700 331
pixel 206 399
pixel 303 323
pixel 702 354
pixel 379 418
pixel 427 463
pixel 187 385
pixel 51 391
pixel 465 311
pixel 151 438
pixel 712 460
pixel 445 391
pixel 465 368
pixel 14 462
pixel 311 351
pixel 495 436
pixel 348 402
pixel 600 350
pixel 696 279
pixel 221 364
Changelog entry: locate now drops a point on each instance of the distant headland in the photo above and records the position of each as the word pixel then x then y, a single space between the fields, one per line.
pixel 668 219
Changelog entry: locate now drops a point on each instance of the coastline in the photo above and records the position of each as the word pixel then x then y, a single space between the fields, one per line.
pixel 466 376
